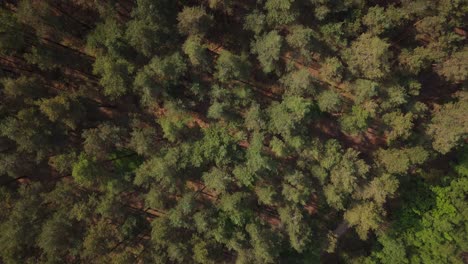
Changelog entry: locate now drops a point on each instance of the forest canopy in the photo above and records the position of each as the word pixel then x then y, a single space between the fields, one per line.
pixel 221 131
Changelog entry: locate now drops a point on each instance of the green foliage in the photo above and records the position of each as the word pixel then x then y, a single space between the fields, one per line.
pixel 264 243
pixel 233 131
pixel 287 115
pixel 63 163
pixel 29 130
pixel 364 217
pixel 21 226
pixel 87 172
pixel 231 67
pixel 300 38
pixel 107 37
pixel 456 67
pixel 215 146
pixel 255 22
pixel 280 12
pixel 152 25
pixel 296 188
pixel 369 57
pixel 278 147
pixel 297 228
pixel 99 142
pixel 329 101
pixel 268 48
pixel 400 160
pixel 62 108
pixel 99 239
pixel 12 39
pixel 194 20
pixel 256 162
pixel 400 125
pixel 379 20
pixel 332 69
pixel 115 74
pixel 431 232
pixel 143 140
pixel 298 83
pixel 379 189
pixel 255 118
pixel 23 87
pixel 365 90
pixel 344 177
pixel 236 207
pixel 449 125
pixel 168 69
pixel 58 238
pixel 356 121
pixel 196 52
pixel 217 180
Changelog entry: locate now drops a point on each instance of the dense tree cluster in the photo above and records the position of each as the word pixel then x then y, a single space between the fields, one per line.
pixel 220 131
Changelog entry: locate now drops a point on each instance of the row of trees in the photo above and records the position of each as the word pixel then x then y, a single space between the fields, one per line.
pixel 296 131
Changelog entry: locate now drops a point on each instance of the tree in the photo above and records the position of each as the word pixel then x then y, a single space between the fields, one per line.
pixel 87 172
pixel 296 227
pixel 115 74
pixel 31 132
pixel 99 142
pixel 22 226
pixel 255 118
pixel 236 207
pixel 12 39
pixel 268 50
pixel 168 70
pixel 194 20
pixel 59 238
pixel 449 126
pixel 365 90
pixel 215 146
pixel 151 26
pixel 456 67
pixel 300 39
pixel 264 243
pixel 24 87
pixel 329 101
pixel 356 121
pixel 217 179
pixel 296 188
pixel 287 115
pixel 196 51
pixel 430 225
pixel 298 83
pixel 143 139
pixel 256 162
pixel 255 21
pixel 205 252
pixel 364 217
pixel 379 20
pixel 400 125
pixel 279 147
pixel 332 69
pixel 99 240
pixel 379 189
pixel 231 67
pixel 369 57
pixel 344 178
pixel 63 108
pixel 280 12
pixel 179 216
pixel 400 160
pixel 107 40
